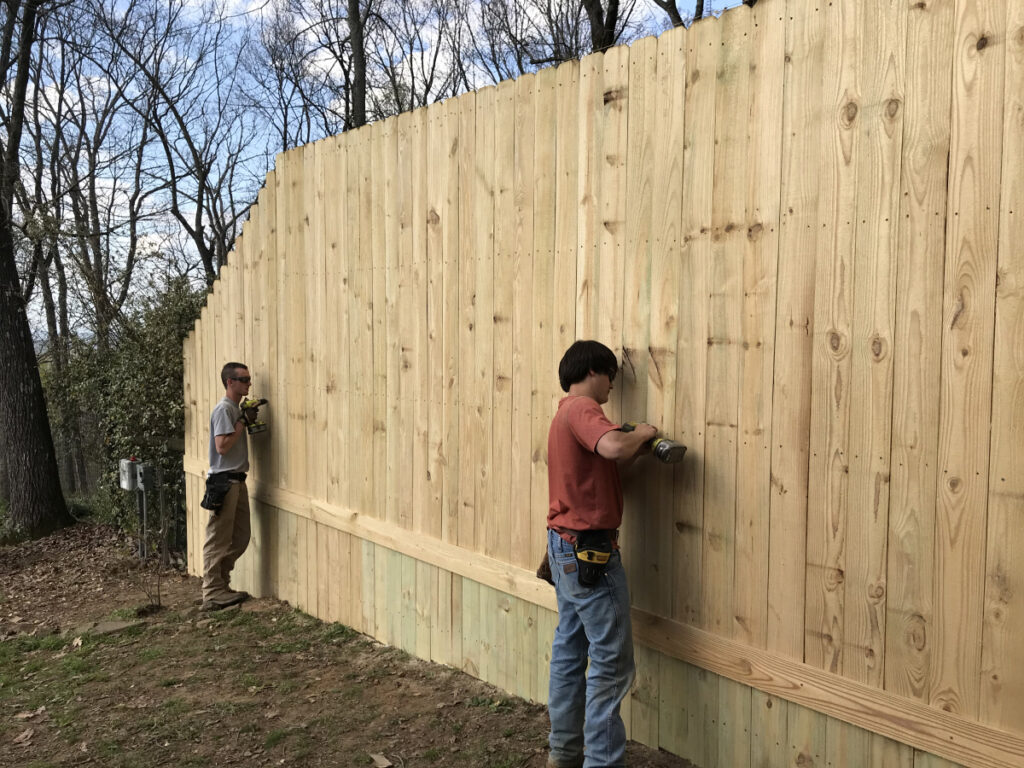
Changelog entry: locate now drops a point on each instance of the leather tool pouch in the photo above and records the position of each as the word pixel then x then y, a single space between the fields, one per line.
pixel 217 486
pixel 593 551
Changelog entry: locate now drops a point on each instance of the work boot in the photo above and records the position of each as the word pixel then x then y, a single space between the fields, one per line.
pixel 552 764
pixel 223 599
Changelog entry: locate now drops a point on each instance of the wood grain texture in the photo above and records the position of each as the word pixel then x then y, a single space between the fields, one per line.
pixel 965 391
pixel 1002 700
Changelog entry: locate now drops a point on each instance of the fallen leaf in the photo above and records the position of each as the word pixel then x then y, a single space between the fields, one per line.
pixel 29 715
pixel 379 761
pixel 271 715
pixel 25 738
pixel 77 642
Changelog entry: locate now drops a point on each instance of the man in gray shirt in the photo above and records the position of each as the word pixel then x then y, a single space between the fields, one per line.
pixel 227 530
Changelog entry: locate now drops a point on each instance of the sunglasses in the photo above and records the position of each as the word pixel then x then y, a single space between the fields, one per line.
pixel 243 379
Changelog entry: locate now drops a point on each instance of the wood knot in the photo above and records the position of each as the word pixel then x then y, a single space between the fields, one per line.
pixel 850 113
pixel 615 94
pixel 432 218
pixel 835 341
pixel 982 43
pixel 754 232
pixel 954 484
pixel 892 108
pixel 878 347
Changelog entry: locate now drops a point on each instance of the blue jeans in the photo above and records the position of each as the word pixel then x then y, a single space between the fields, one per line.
pixel 594 622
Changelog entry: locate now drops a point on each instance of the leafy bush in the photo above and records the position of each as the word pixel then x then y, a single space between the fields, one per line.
pixel 129 400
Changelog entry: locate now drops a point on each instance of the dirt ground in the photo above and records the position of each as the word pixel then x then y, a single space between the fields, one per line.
pixel 87 678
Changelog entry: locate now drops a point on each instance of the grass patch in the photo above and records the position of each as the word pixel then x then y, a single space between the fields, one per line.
pixel 275 737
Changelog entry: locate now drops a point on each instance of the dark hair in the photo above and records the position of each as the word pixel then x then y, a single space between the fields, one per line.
pixel 229 370
pixel 582 358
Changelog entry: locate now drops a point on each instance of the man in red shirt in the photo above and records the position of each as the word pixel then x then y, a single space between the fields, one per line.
pixel 585 451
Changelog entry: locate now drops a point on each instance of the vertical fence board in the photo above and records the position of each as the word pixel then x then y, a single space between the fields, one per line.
pixel 882 62
pixel 500 506
pixel 720 580
pixel 636 288
pixel 1002 700
pixel 972 236
pixel 527 517
pixel 915 424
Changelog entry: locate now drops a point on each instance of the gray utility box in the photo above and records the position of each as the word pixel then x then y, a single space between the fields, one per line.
pixel 135 476
pixel 129 475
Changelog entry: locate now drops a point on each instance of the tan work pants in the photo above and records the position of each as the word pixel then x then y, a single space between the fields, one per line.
pixel 227 537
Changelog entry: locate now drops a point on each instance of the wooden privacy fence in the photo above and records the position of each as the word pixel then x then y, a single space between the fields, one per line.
pixel 800 227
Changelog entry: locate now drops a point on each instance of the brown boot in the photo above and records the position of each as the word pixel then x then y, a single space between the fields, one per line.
pixel 223 599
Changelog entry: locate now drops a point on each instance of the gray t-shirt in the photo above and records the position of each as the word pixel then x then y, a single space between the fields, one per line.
pixel 222 422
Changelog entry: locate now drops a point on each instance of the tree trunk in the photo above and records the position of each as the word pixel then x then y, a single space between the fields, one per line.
pixel 355 26
pixel 36 502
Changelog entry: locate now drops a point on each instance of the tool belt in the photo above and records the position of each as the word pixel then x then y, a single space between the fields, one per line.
pixel 593 551
pixel 217 487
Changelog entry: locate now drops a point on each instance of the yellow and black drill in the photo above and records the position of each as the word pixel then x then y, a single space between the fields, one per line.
pixel 251 414
pixel 665 450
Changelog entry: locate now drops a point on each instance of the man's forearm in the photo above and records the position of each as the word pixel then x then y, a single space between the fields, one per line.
pixel 226 442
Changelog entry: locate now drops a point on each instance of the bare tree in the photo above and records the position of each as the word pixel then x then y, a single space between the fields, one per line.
pixel 185 88
pixel 36 503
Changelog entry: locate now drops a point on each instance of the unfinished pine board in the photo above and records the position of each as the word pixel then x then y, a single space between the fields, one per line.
pixel 441 623
pixel 338 210
pixel 828 491
pixel 291 240
pixel 734 723
pixel 924 760
pixel 368 573
pixel 590 94
pixel 469 439
pixel 653 525
pixel 545 391
pixel 312 565
pixel 806 732
pixel 611 253
pixel 802 134
pixel 498 533
pixel 566 206
pixel 527 521
pixel 426 586
pixel 481 382
pixel 397 237
pixel 422 509
pixel 721 575
pixel 269 452
pixel 768 730
pixel 375 183
pixel 448 181
pixel 1002 701
pixel 876 226
pixel 760 267
pixel 384 609
pixel 908 635
pixel 409 619
pixel 691 338
pixel 314 260
pixel 965 392
pixel 405 341
pixel 702 735
pixel 430 400
pixel 359 245
pixel 470 615
pixel 641 164
pixel 547 620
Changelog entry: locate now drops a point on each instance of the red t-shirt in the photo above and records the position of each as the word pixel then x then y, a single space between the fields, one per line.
pixel 584 490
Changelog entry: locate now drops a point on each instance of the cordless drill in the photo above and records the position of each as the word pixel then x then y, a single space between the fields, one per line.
pixel 665 450
pixel 250 414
